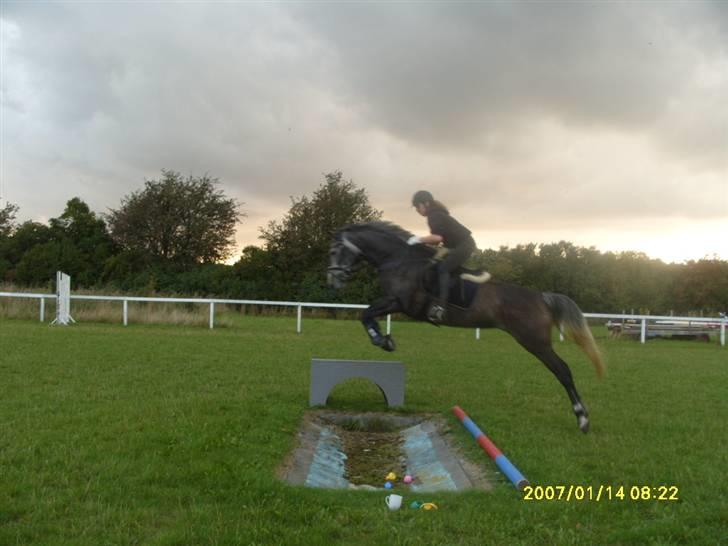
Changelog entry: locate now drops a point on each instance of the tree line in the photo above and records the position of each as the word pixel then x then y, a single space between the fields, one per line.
pixel 173 235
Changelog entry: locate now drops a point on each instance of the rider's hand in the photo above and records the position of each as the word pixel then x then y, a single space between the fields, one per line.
pixel 414 240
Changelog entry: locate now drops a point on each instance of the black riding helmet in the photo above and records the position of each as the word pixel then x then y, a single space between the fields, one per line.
pixel 422 196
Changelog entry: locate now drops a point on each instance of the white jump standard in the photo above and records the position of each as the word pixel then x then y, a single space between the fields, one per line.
pixel 326 374
pixel 63 299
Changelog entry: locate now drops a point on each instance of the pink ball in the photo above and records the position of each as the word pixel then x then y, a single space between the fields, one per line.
pixel 407 479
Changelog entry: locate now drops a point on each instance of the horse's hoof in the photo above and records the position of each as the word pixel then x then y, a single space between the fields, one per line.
pixel 385 342
pixel 583 423
pixel 388 344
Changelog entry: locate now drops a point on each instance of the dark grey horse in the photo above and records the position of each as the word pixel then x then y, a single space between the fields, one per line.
pixel 525 314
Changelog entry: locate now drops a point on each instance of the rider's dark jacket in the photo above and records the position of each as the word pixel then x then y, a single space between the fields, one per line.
pixel 453 233
pixel 456 238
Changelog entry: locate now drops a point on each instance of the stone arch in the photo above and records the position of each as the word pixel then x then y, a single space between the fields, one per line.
pixel 326 374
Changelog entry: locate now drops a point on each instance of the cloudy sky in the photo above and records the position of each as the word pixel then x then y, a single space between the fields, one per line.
pixel 601 123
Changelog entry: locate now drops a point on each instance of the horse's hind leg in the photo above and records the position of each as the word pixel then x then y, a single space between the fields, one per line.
pixel 540 347
pixel 562 372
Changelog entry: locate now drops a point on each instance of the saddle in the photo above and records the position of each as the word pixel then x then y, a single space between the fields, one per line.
pixel 464 284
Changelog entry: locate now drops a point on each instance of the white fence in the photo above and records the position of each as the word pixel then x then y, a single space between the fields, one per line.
pixel 643 319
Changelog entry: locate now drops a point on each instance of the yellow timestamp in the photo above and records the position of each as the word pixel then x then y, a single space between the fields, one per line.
pixel 570 493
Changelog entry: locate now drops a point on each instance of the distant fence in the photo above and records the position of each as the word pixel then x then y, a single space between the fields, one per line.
pixel 717 323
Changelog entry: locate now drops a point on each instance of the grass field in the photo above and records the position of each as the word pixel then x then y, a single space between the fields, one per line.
pixel 171 435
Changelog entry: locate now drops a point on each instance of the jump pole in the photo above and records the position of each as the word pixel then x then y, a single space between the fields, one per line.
pixel 490 448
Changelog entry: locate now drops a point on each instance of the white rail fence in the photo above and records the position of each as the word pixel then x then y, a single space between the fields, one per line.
pixel 718 323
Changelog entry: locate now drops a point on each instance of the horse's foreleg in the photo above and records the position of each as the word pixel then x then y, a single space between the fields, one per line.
pixel 377 309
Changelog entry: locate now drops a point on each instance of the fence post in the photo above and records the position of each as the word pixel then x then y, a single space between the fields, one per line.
pixel 298 319
pixel 389 324
pixel 477 333
pixel 42 309
pixel 722 332
pixel 126 312
pixel 212 314
pixel 643 331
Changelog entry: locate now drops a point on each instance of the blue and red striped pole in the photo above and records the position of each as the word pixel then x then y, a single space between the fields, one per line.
pixel 490 448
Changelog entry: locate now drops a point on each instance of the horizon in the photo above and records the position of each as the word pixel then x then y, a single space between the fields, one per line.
pixel 666 257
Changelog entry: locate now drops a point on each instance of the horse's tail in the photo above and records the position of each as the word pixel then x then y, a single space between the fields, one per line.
pixel 570 318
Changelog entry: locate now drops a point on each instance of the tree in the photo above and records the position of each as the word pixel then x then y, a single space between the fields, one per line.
pixel 81 229
pixel 176 220
pixel 702 285
pixel 38 266
pixel 24 237
pixel 298 245
pixel 255 271
pixel 77 243
pixel 311 222
pixel 7 220
pixel 7 226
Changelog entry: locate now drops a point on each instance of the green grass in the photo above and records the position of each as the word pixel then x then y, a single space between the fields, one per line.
pixel 168 435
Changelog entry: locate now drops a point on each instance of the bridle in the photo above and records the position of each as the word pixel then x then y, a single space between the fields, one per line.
pixel 347 269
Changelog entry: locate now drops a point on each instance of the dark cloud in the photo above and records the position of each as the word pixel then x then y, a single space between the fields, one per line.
pixel 515 113
pixel 454 74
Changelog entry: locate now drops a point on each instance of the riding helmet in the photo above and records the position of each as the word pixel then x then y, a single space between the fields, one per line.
pixel 422 196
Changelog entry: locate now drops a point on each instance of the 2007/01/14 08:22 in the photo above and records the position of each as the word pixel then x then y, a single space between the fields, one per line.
pixel 570 493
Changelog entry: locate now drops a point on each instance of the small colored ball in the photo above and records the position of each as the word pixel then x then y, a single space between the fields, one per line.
pixel 407 479
pixel 388 485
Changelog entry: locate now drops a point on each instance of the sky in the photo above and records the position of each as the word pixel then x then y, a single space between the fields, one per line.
pixel 600 123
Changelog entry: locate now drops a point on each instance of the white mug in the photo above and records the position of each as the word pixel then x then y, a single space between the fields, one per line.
pixel 393 501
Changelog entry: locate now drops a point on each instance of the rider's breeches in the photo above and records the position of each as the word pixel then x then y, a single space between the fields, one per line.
pixel 454 259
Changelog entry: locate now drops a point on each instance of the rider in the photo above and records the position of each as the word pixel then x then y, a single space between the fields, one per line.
pixel 453 235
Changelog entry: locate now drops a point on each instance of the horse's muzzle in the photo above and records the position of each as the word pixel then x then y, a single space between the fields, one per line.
pixel 336 278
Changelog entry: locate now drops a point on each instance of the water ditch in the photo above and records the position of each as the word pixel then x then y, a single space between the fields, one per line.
pixel 343 450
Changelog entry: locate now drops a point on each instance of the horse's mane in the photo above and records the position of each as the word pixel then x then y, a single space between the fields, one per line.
pixel 392 231
pixel 387 228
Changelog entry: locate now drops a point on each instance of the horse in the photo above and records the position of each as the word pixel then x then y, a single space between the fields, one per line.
pixel 407 277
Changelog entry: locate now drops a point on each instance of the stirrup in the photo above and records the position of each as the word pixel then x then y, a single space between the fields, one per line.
pixel 436 313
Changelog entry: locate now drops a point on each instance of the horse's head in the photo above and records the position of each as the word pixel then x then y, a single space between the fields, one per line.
pixel 343 258
pixel 378 243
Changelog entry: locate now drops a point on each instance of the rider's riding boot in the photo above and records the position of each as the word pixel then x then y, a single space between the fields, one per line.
pixel 436 313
